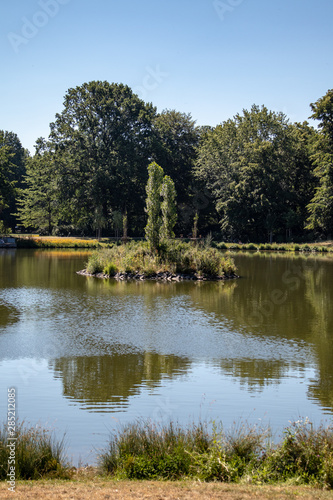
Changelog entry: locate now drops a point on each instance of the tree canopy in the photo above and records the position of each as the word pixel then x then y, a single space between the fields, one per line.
pixel 321 206
pixel 255 176
pixel 13 159
pixel 248 164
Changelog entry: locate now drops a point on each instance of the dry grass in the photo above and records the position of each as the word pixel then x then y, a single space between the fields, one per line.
pixel 85 488
pixel 57 242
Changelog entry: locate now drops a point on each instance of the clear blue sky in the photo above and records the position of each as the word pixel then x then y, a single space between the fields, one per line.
pixel 210 59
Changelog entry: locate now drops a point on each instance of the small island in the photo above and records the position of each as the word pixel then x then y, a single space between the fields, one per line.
pixel 160 257
pixel 172 261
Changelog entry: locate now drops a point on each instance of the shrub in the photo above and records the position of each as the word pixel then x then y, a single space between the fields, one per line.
pixel 145 451
pixel 94 264
pixel 305 453
pixel 110 269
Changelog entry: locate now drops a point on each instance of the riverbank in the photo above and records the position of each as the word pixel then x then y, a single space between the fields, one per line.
pixel 162 276
pixel 149 451
pixel 36 241
pixel 87 485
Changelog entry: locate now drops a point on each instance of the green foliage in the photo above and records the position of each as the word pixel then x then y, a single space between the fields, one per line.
pixel 305 453
pixel 321 206
pixel 37 454
pixel 104 134
pixel 7 184
pixel 4 231
pixel 38 203
pixel 153 205
pixel 175 150
pixel 195 225
pixel 169 208
pixel 255 177
pixel 146 451
pixel 248 165
pixel 172 256
pixel 110 269
pixel 12 169
pixel 94 264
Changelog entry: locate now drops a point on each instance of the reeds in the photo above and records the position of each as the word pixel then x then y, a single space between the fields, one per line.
pixel 244 453
pixel 36 452
pixel 144 450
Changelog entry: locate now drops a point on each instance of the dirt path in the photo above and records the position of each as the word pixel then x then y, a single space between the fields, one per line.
pixel 147 490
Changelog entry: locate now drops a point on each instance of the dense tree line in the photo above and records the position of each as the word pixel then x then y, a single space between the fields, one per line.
pixel 254 177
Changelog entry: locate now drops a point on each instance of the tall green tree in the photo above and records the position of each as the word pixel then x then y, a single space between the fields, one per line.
pixel 38 205
pixel 245 163
pixel 13 161
pixel 176 138
pixel 321 206
pixel 153 205
pixel 102 141
pixel 169 208
pixel 300 179
pixel 7 186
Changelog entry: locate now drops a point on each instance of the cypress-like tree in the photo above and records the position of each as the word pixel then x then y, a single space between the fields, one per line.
pixel 169 210
pixel 153 205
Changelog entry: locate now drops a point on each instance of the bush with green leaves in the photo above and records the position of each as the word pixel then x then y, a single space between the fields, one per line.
pixel 305 453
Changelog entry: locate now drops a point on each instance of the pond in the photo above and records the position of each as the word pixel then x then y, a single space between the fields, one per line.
pixel 87 356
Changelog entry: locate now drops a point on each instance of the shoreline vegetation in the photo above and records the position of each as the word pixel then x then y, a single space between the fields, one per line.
pixel 243 454
pixel 172 261
pixel 36 241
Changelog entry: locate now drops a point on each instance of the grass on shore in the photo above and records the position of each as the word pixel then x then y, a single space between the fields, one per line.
pixel 325 247
pixel 305 456
pixel 174 256
pixel 37 453
pixel 58 242
pixel 143 451
pixel 36 241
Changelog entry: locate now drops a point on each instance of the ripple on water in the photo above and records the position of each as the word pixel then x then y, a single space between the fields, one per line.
pixel 55 323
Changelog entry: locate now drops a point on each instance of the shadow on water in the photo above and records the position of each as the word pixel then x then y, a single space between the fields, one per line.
pixel 107 382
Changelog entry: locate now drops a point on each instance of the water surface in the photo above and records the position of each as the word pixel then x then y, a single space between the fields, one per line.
pixel 87 355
